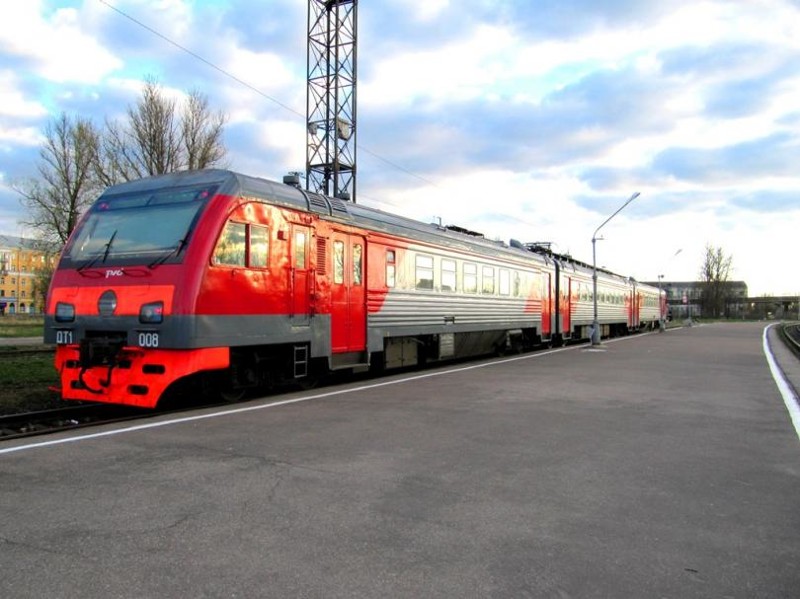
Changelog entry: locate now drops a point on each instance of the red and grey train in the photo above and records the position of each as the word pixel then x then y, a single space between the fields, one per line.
pixel 237 282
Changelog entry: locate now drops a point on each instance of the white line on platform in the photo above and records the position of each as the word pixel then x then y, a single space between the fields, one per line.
pixel 229 412
pixel 789 397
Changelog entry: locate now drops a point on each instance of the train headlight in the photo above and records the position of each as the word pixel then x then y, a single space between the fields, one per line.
pixel 65 312
pixel 152 313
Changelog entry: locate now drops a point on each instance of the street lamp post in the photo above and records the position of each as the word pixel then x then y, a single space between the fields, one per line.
pixel 595 322
pixel 662 315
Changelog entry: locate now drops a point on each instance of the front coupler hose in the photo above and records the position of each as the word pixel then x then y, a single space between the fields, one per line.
pixel 104 383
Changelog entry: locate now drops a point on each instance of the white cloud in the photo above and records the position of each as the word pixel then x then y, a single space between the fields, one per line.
pixel 13 102
pixel 58 48
pixel 283 135
pixel 266 71
pixel 16 114
pixel 421 11
pixel 456 72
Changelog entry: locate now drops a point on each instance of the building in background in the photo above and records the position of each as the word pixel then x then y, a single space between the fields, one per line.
pixel 25 267
pixel 685 298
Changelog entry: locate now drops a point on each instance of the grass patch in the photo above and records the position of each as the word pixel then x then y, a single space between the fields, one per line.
pixel 21 325
pixel 24 382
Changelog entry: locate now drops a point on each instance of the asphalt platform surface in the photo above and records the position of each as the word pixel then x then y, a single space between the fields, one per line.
pixel 662 465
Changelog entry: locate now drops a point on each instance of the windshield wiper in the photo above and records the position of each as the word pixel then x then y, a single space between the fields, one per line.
pixel 103 255
pixel 172 252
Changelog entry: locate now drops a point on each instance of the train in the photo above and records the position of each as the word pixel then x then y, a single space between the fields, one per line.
pixel 233 283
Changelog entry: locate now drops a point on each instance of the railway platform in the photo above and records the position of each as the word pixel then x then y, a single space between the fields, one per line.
pixel 661 465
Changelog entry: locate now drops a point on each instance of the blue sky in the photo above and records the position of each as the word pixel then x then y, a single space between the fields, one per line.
pixel 531 119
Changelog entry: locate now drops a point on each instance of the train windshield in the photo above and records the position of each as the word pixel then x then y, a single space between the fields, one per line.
pixel 149 227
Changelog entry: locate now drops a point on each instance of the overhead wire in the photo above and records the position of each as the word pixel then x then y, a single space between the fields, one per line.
pixel 252 87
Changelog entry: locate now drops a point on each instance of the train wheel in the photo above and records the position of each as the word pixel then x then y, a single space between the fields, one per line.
pixel 222 386
pixel 231 395
pixel 307 382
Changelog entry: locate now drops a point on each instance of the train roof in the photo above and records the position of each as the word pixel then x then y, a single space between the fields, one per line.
pixel 234 183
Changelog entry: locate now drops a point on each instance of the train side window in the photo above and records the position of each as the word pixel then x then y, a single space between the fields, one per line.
pixel 448 269
pixel 230 250
pixel 390 268
pixel 338 262
pixel 424 272
pixel 517 284
pixel 488 280
pixel 505 282
pixel 357 253
pixel 258 247
pixel 470 278
pixel 300 249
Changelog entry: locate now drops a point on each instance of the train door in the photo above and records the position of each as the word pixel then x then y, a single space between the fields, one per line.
pixel 348 296
pixel 547 305
pixel 300 276
pixel 565 306
pixel 561 325
pixel 637 309
pixel 630 305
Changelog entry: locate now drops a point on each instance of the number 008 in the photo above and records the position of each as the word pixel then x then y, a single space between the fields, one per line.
pixel 148 339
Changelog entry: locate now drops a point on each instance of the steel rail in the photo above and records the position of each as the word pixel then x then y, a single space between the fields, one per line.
pixel 28 424
pixel 790 334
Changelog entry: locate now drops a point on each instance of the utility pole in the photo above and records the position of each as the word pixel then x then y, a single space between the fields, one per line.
pixel 596 335
pixel 331 98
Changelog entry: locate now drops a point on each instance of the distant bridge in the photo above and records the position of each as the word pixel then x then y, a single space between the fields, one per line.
pixel 775 306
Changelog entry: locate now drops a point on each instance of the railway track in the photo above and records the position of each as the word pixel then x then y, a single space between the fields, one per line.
pixel 790 333
pixel 16 426
pixel 15 352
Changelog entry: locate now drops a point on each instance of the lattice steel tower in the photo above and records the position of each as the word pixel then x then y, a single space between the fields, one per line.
pixel 331 98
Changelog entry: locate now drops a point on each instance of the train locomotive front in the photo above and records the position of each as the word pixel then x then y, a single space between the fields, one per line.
pixel 121 304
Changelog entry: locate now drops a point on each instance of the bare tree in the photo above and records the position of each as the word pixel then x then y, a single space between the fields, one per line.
pixel 66 183
pixel 201 133
pixel 714 274
pixel 157 139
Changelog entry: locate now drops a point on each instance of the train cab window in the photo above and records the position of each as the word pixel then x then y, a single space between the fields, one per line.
pixel 338 262
pixel 505 282
pixel 390 268
pixel 470 278
pixel 258 247
pixel 488 280
pixel 517 284
pixel 230 250
pixel 424 272
pixel 357 263
pixel 448 271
